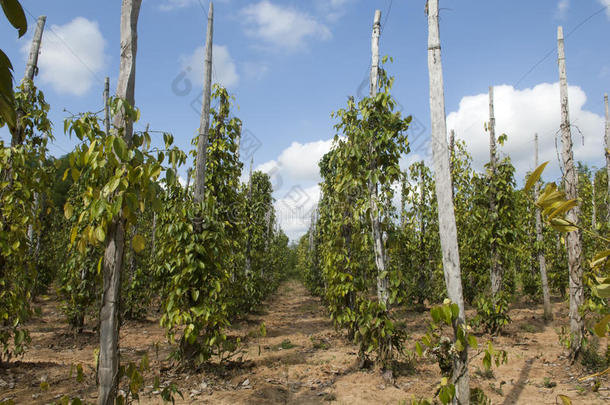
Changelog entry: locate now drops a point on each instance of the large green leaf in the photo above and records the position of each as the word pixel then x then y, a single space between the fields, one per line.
pixel 7 97
pixel 14 12
pixel 533 178
pixel 601 327
pixel 138 243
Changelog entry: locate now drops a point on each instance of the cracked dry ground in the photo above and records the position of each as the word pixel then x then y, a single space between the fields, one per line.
pixel 301 360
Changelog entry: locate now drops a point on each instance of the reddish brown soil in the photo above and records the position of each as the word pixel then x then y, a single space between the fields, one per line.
pixel 314 365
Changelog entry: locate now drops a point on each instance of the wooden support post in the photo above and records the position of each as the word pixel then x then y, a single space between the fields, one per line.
pixel 204 125
pixel 548 314
pixel 446 214
pixel 108 365
pixel 571 187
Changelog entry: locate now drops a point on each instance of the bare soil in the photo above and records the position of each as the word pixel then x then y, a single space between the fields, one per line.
pixel 301 360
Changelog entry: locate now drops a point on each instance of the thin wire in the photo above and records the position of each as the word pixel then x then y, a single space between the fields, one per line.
pixel 50 28
pixel 551 52
pixel 554 50
pixel 387 15
pixel 367 72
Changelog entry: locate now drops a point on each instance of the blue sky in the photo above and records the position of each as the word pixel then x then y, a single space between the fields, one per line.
pixel 291 63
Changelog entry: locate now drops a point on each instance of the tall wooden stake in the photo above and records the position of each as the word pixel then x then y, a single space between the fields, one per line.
pixel 248 264
pixel 380 257
pixel 31 69
pixel 107 105
pixel 593 204
pixel 451 158
pixel 108 365
pixel 446 214
pixel 548 314
pixel 238 142
pixel 496 267
pixel 204 125
pixel 607 138
pixel 571 185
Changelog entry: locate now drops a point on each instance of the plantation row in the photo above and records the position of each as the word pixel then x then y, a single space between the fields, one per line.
pixel 111 228
pixel 113 231
pixel 458 237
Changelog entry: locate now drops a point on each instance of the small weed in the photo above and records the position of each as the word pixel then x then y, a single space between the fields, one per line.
pixel 498 389
pixel 529 328
pixel 285 345
pixel 590 357
pixel 487 374
pixel 547 383
pixel 478 397
pixel 319 343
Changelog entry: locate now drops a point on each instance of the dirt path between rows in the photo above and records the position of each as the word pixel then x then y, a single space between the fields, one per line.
pixel 300 360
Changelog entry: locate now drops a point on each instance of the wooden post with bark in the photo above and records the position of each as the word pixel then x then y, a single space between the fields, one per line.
pixel 546 297
pixel 31 69
pixel 107 105
pixel 204 124
pixel 189 173
pixel 451 158
pixel 108 365
pixel 607 139
pixel 380 254
pixel 446 214
pixel 238 141
pixel 593 204
pixel 248 264
pixel 571 188
pixel 496 271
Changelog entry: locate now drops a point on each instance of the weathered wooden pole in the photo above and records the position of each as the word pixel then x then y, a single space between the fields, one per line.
pixel 312 230
pixel 204 124
pixel 238 141
pixel 380 254
pixel 593 204
pixel 546 297
pixel 108 365
pixel 248 264
pixel 451 158
pixel 107 105
pixel 31 69
pixel 607 138
pixel 571 186
pixel 446 214
pixel 189 172
pixel 496 267
pixel 403 199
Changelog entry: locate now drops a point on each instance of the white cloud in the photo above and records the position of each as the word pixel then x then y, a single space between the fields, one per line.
pixel 522 113
pixel 282 27
pixel 224 71
pixel 606 3
pixel 255 70
pixel 71 56
pixel 295 176
pixel 300 161
pixel 332 10
pixel 294 209
pixel 562 8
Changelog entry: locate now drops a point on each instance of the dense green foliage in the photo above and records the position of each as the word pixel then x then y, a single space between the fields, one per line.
pixel 23 178
pixel 221 257
pixel 358 174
